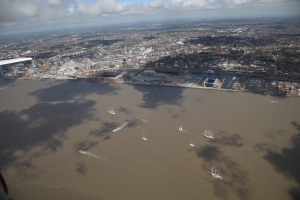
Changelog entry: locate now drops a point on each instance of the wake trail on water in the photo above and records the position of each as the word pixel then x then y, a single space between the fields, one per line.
pixel 142 116
pixel 126 123
pixel 89 154
pixel 120 127
pixel 271 101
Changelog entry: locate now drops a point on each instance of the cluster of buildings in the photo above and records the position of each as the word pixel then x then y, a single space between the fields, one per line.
pixel 288 88
pixel 240 47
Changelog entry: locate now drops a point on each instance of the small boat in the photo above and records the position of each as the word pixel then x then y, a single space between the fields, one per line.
pixel 180 128
pixel 144 138
pixel 111 111
pixel 208 134
pixel 214 173
pixel 192 144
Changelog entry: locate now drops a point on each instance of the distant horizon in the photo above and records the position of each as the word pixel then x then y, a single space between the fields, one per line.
pixel 15 31
pixel 46 15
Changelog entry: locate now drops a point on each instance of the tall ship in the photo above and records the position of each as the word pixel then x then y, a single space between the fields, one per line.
pixel 208 134
pixel 215 173
pixel 111 111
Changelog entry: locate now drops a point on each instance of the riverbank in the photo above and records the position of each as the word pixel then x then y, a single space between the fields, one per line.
pixel 182 86
pixel 186 85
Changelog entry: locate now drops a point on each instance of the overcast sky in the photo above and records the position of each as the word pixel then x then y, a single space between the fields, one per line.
pixel 47 14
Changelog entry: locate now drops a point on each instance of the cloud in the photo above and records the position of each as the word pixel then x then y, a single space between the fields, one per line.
pixel 11 10
pixel 100 7
pixel 157 4
pixel 33 10
pixel 37 11
pixel 54 2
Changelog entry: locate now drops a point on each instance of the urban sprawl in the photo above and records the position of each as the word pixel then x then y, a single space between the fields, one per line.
pixel 262 55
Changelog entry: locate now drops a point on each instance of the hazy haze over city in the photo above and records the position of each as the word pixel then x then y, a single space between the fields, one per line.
pixel 43 15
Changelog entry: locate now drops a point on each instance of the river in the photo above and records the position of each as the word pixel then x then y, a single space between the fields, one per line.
pixel 57 142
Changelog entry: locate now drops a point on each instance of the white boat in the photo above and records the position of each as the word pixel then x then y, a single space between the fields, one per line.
pixel 192 144
pixel 111 111
pixel 208 134
pixel 144 138
pixel 215 173
pixel 180 128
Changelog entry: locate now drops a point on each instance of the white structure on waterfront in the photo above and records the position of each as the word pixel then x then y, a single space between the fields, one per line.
pixel 210 82
pixel 68 69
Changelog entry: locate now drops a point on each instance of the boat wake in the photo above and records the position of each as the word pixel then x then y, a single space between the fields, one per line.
pixel 272 101
pixel 120 127
pixel 145 120
pixel 89 154
pixel 126 123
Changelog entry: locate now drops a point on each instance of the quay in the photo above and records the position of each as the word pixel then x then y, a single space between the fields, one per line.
pixel 224 82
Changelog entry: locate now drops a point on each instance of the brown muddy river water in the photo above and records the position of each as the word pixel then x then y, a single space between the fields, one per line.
pixel 57 142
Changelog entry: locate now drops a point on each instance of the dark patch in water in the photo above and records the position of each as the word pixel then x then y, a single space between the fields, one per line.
pixel 234 177
pixel 81 168
pixel 287 161
pixel 44 124
pixel 68 90
pixel 85 145
pixel 153 98
pixel 228 139
pixel 123 110
pixel 107 128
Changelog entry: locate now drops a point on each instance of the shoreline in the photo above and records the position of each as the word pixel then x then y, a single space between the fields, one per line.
pixel 208 88
pixel 182 86
pixel 169 85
